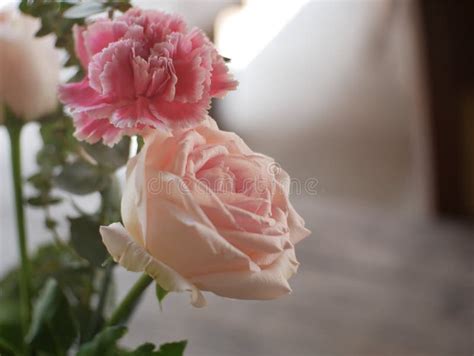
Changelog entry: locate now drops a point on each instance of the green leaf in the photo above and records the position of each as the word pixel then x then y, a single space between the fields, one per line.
pixel 84 314
pixel 84 10
pixel 39 181
pixel 81 178
pixel 109 157
pixel 104 343
pixel 41 200
pixel 73 274
pixel 50 223
pixel 52 328
pixel 6 349
pixel 148 349
pixel 10 325
pixel 143 350
pixel 86 240
pixel 172 349
pixel 43 31
pixel 160 293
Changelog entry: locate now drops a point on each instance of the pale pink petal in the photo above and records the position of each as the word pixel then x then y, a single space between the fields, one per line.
pixel 135 258
pixel 269 283
pixel 251 243
pixel 298 231
pixel 179 221
pixel 254 223
pixel 233 143
pixel 212 206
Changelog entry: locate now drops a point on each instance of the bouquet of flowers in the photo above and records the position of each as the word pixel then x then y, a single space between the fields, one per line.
pixel 199 211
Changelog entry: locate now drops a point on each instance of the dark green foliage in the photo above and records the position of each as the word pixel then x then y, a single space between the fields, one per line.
pixel 110 158
pixel 86 240
pixel 106 344
pixel 73 275
pixel 10 326
pixel 53 328
pixel 171 349
pixel 80 177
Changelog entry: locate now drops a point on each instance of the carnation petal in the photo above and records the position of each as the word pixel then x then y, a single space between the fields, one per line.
pixel 133 114
pixel 80 95
pixel 177 115
pixel 79 45
pixel 98 36
pixel 221 80
pixel 145 69
pixel 111 72
pixel 92 130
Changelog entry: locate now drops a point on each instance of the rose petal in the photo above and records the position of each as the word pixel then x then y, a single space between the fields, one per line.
pixel 269 283
pixel 178 221
pixel 136 259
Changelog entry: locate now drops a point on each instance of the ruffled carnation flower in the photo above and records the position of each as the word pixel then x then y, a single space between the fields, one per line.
pixel 144 69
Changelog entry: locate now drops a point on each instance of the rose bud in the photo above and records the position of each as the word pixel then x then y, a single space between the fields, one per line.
pixel 29 67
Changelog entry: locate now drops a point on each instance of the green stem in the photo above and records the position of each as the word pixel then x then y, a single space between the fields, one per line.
pixel 96 320
pixel 130 302
pixel 14 127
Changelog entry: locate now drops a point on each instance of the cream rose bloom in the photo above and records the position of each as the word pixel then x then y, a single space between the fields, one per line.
pixel 29 67
pixel 203 212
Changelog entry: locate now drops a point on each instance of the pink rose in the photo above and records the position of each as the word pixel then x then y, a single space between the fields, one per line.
pixel 144 69
pixel 202 211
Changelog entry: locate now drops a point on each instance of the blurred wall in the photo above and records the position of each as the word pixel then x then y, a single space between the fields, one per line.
pixel 337 95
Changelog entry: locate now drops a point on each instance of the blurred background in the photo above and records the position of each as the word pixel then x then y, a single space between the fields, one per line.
pixel 375 100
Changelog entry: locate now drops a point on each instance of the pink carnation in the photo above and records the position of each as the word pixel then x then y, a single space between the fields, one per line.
pixel 144 69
